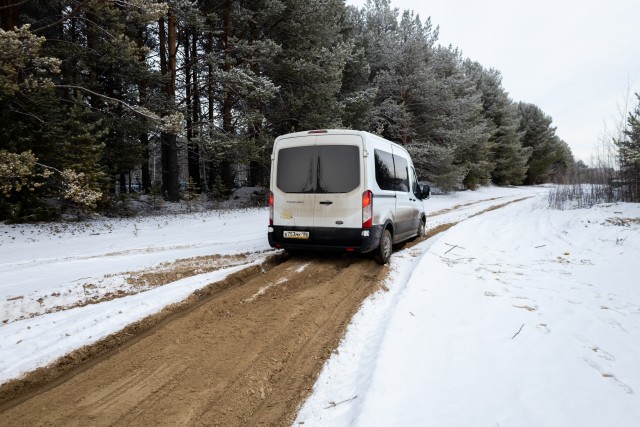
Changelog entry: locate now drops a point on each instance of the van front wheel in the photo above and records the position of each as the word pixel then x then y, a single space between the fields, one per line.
pixel 383 252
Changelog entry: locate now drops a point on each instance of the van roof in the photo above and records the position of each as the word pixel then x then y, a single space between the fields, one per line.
pixel 336 132
pixel 325 131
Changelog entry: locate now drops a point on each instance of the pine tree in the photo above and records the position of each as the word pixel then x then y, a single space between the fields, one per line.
pixel 507 154
pixel 629 156
pixel 451 117
pixel 308 70
pixel 357 93
pixel 235 46
pixel 550 156
pixel 423 98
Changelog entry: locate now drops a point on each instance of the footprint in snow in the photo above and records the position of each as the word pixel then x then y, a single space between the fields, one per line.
pixel 609 376
pixel 603 354
pixel 542 327
pixel 529 307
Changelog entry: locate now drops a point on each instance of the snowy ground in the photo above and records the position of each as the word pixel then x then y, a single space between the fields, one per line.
pixel 519 316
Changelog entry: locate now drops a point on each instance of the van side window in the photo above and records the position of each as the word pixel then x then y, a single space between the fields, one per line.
pixel 402 174
pixel 319 169
pixel 385 171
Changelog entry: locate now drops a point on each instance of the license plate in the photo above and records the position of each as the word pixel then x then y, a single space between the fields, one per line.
pixel 295 234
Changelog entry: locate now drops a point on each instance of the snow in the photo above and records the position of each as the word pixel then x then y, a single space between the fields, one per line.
pixel 520 316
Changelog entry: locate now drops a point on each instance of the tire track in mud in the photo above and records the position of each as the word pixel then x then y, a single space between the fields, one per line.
pixel 46 378
pixel 244 351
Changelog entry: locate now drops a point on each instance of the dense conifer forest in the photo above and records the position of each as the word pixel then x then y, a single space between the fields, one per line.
pixel 105 97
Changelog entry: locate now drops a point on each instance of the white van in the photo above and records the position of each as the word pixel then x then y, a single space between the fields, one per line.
pixel 343 189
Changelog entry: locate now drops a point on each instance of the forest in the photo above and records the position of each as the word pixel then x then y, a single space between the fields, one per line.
pixel 103 98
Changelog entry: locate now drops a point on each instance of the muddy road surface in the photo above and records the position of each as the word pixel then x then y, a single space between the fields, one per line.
pixel 245 351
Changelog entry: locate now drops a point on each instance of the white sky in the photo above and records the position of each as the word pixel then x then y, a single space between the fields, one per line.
pixel 576 60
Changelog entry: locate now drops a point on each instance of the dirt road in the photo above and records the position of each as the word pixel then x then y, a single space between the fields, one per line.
pixel 245 351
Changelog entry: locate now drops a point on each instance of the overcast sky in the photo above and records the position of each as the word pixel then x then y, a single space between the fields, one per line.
pixel 576 60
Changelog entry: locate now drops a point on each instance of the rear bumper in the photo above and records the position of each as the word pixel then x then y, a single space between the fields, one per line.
pixel 328 238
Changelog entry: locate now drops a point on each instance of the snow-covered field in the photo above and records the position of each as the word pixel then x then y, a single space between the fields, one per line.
pixel 519 316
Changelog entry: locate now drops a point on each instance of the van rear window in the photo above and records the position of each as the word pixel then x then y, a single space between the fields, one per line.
pixel 318 169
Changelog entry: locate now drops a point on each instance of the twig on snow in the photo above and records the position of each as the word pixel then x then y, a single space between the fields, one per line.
pixel 541 246
pixel 452 247
pixel 334 404
pixel 516 334
pixel 621 241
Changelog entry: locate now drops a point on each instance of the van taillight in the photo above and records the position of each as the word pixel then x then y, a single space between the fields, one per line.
pixel 270 207
pixel 367 209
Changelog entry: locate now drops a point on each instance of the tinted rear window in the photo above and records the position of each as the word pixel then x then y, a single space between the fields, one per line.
pixel 296 169
pixel 319 169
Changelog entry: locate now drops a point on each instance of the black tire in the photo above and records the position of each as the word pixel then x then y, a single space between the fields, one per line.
pixel 422 227
pixel 383 253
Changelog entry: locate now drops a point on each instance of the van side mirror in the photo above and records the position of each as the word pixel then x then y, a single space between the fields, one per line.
pixel 425 192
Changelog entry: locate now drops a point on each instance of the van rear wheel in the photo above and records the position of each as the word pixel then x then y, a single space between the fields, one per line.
pixel 383 253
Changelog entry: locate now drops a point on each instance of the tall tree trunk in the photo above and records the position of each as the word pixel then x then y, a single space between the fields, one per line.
pixel 256 165
pixel 227 105
pixel 194 152
pixel 144 137
pixel 146 174
pixel 93 45
pixel 169 143
pixel 210 169
pixel 122 183
pixel 227 102
pixel 10 14
pixel 69 73
pixel 188 65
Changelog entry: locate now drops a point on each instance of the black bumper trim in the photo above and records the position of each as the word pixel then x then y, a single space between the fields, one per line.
pixel 327 238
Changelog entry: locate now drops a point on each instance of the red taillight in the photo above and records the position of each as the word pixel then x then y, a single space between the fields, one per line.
pixel 367 209
pixel 270 207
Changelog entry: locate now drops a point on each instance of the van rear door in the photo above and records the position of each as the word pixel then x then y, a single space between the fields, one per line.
pixel 293 190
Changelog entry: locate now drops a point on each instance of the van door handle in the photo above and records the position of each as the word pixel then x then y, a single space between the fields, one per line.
pixel 326 202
